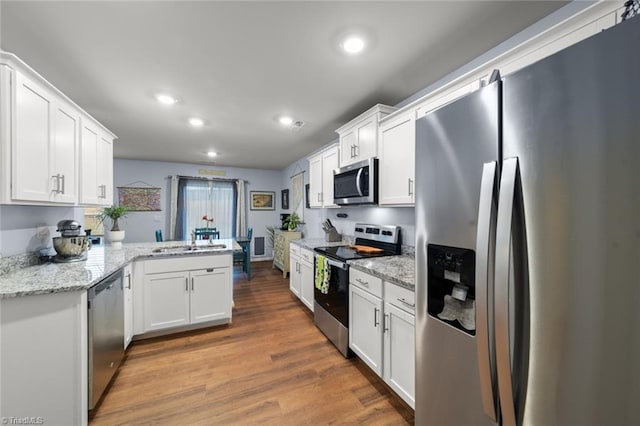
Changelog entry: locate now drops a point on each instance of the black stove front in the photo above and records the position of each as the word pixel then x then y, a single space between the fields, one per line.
pixel 331 307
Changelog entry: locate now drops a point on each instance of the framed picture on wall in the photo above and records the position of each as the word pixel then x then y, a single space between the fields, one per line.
pixel 263 200
pixel 285 199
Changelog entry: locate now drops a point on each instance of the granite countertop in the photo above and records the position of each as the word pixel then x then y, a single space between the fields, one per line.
pixel 398 270
pixel 101 261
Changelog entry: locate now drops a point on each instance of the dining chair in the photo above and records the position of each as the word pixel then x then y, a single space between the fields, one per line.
pixel 207 234
pixel 244 256
pixel 158 235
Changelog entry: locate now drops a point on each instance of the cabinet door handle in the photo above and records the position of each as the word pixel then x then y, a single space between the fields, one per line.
pixel 356 148
pixel 364 283
pixel 193 286
pixel 375 317
pixel 410 186
pixel 62 178
pixel 186 285
pixel 318 197
pixel 57 178
pixel 385 323
pixel 411 305
pixel 129 281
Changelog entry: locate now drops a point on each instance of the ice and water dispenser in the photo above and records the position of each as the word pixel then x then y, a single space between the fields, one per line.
pixel 451 289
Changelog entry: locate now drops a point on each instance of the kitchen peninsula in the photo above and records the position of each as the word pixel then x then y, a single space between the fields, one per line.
pixel 43 313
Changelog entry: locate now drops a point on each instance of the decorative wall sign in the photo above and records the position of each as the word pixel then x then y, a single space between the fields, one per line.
pixel 140 199
pixel 285 199
pixel 263 200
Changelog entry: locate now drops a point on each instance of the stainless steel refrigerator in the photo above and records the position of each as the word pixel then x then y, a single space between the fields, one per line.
pixel 527 244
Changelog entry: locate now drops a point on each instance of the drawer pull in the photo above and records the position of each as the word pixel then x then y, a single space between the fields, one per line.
pixel 411 305
pixel 364 283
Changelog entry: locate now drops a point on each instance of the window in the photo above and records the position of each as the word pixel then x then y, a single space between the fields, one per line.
pixel 214 199
pixel 92 221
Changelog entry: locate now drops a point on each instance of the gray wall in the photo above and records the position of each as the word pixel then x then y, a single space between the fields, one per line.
pixel 18 227
pixel 141 226
pixel 401 216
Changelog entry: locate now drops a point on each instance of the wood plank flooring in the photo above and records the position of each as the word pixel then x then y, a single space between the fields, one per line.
pixel 270 366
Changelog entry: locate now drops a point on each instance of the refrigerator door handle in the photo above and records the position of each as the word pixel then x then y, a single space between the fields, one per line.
pixel 486 224
pixel 502 270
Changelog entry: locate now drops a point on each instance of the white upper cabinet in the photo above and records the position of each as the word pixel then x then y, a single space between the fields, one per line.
pixel 96 166
pixel 44 145
pixel 40 140
pixel 359 137
pixel 397 161
pixel 321 167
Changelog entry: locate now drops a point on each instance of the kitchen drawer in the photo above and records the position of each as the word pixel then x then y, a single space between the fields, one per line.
pixel 294 249
pixel 400 297
pixel 186 263
pixel 366 282
pixel 307 255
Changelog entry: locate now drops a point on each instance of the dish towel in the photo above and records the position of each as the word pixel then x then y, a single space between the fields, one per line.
pixel 323 272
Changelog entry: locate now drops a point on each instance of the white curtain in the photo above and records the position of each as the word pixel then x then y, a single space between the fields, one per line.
pixel 174 207
pixel 213 199
pixel 241 209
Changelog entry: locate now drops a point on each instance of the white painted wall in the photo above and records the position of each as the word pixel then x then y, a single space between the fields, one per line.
pixel 141 226
pixel 18 226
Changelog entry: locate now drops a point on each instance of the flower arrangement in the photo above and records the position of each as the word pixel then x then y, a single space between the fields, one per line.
pixel 207 220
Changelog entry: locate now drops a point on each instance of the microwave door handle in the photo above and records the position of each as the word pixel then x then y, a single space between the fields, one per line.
pixel 358 180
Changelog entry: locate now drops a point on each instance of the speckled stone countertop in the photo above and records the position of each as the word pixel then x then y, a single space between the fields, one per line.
pixel 101 261
pixel 399 270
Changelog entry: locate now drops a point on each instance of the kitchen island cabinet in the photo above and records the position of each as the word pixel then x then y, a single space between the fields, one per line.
pixel 186 291
pixel 43 358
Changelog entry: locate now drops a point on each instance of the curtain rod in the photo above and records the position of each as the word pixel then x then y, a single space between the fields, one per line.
pixel 207 179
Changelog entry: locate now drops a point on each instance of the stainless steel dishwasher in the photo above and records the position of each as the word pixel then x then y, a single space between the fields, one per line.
pixel 106 333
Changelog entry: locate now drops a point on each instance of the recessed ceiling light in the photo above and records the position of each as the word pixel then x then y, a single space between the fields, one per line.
pixel 212 154
pixel 353 45
pixel 196 122
pixel 165 99
pixel 285 120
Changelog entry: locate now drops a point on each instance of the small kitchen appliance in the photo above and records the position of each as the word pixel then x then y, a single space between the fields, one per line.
pixel 356 183
pixel 331 309
pixel 70 246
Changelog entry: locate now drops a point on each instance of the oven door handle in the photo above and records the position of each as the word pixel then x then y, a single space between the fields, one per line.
pixel 340 265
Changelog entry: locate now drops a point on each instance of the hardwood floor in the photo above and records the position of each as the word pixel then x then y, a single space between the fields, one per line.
pixel 270 366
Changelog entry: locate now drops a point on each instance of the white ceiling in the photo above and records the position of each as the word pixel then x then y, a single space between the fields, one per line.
pixel 239 65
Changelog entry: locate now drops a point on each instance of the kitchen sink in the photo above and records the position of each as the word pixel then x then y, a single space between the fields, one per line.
pixel 179 249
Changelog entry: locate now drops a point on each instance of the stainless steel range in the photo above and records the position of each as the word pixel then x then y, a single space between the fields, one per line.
pixel 331 306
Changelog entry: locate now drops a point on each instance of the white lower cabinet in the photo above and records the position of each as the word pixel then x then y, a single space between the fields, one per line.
pixel 301 277
pixel 365 329
pixel 382 330
pixel 182 292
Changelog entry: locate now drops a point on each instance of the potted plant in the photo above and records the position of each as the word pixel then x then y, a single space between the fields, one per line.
pixel 115 235
pixel 293 221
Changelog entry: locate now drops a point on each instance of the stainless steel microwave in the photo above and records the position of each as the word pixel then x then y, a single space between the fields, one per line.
pixel 356 183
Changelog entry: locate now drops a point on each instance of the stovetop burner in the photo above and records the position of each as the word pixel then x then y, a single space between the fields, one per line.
pixel 347 253
pixel 386 238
